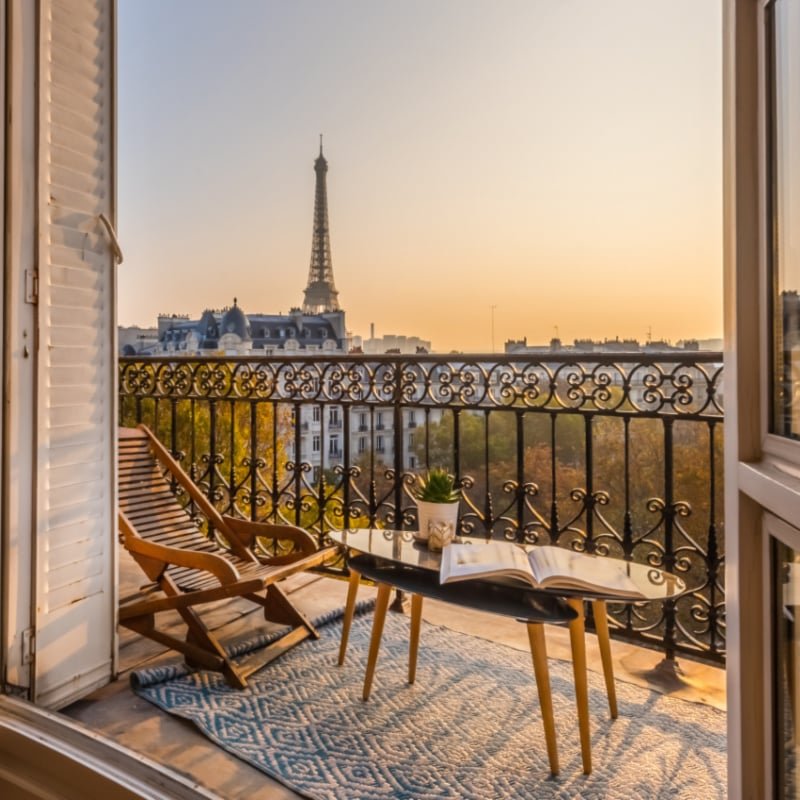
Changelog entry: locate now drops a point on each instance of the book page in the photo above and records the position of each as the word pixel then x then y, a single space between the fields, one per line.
pixel 559 567
pixel 463 561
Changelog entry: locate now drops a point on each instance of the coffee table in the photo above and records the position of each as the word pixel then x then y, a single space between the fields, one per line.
pixel 395 559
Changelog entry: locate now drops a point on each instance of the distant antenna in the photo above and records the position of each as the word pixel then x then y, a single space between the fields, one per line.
pixel 649 333
pixel 320 144
pixel 556 330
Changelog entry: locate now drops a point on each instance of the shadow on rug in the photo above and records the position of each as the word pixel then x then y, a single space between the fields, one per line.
pixel 469 728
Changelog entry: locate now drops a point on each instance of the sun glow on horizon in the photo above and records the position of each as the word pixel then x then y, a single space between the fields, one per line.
pixel 561 162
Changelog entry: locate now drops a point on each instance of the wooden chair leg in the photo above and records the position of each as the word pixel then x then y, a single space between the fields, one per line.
pixel 577 637
pixel 199 636
pixel 381 606
pixel 413 642
pixel 601 624
pixel 279 608
pixel 542 673
pixel 349 609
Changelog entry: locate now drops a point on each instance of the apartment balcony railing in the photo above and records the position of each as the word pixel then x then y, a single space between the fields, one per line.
pixel 610 454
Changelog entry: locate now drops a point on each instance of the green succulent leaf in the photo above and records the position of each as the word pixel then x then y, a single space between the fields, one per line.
pixel 436 486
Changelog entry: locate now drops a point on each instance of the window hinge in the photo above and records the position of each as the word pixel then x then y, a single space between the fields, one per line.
pixel 32 286
pixel 28 645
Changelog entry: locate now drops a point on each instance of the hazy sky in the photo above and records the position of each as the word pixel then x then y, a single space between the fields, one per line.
pixel 558 160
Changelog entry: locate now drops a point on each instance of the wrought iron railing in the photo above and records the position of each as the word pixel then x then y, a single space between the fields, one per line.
pixel 610 454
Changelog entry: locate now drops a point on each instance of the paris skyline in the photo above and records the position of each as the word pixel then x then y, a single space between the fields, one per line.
pixel 559 162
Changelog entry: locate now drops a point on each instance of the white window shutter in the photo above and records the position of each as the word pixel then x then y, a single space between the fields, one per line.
pixel 75 543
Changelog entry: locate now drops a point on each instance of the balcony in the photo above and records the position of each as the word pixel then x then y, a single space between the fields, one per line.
pixel 610 456
pixel 613 457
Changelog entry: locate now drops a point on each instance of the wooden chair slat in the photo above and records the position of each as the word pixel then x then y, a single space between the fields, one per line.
pixel 142 517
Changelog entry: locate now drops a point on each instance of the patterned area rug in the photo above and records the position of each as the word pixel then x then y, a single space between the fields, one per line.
pixel 469 729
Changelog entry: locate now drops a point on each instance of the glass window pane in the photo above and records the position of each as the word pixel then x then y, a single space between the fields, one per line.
pixel 784 196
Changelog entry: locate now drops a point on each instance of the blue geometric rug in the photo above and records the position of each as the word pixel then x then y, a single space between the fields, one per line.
pixel 468 729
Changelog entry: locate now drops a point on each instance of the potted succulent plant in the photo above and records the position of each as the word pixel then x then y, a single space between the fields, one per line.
pixel 437 505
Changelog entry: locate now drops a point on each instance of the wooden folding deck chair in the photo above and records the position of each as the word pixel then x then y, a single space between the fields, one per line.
pixel 189 569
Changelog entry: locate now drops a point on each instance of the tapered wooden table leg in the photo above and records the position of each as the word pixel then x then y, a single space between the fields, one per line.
pixel 413 642
pixel 601 624
pixel 542 673
pixel 577 638
pixel 349 608
pixel 381 605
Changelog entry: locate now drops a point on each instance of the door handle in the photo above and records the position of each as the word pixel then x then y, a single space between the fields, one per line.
pixel 112 235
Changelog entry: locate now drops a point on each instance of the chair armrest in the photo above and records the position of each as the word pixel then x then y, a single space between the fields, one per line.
pixel 246 532
pixel 160 556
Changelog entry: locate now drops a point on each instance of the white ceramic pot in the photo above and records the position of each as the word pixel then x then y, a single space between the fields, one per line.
pixel 428 513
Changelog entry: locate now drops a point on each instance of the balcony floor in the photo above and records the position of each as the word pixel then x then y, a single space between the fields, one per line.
pixel 116 712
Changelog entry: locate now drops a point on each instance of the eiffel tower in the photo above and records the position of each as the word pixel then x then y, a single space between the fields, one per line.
pixel 320 294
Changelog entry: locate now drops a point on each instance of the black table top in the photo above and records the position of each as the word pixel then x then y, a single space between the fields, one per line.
pixel 527 605
pixel 401 547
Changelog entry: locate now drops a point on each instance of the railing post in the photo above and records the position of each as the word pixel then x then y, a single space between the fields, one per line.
pixel 346 456
pixel 232 487
pixel 520 419
pixel 713 562
pixel 488 509
pixel 372 499
pixel 173 438
pixel 298 478
pixel 253 458
pixel 669 545
pixel 275 499
pixel 554 524
pixel 397 413
pixel 212 448
pixel 589 499
pixel 399 601
pixel 192 451
pixel 457 443
pixel 627 522
pixel 324 452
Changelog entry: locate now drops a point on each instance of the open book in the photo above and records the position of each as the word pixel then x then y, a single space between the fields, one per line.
pixel 543 567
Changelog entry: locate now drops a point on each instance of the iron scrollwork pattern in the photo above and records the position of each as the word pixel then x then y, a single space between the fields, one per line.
pixel 603 453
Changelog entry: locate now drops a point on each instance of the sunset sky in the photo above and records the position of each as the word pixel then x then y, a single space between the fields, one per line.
pixel 558 160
